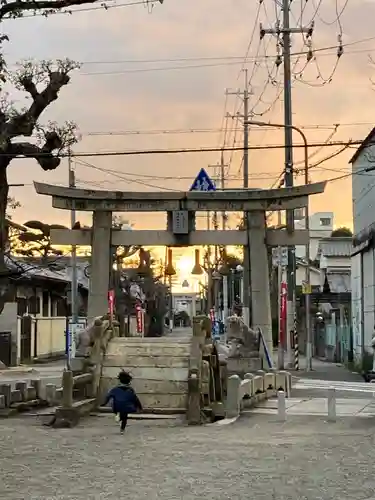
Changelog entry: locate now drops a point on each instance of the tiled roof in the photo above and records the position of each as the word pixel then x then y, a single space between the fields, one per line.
pixel 30 271
pixel 336 247
pixel 339 282
pixel 369 140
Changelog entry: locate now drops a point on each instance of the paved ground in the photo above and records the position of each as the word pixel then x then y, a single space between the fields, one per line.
pixel 254 458
pixel 304 458
pixel 345 407
pixel 328 371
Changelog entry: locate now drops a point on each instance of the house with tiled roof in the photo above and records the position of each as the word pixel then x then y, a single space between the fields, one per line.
pixel 34 319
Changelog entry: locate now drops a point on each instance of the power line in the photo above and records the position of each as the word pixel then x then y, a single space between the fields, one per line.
pixel 204 149
pixel 122 176
pixel 224 63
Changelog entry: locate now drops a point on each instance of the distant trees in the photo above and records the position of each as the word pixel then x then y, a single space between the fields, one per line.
pixel 341 232
pixel 36 240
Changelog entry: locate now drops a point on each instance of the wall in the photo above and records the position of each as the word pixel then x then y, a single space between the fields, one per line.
pixel 357 324
pixel 368 290
pixel 8 323
pixel 330 263
pixel 363 192
pixel 363 301
pixel 50 336
pixel 363 264
pixel 317 232
pixel 315 277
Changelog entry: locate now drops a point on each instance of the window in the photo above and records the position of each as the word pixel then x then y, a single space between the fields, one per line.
pixel 33 305
pixel 21 306
pixel 61 309
pixel 325 221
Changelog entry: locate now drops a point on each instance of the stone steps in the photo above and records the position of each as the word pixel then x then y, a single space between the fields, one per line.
pixel 159 367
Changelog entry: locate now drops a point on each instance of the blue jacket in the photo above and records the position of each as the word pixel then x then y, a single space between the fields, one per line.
pixel 124 399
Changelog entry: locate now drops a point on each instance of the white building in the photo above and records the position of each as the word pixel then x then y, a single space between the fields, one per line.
pixel 321 226
pixel 363 256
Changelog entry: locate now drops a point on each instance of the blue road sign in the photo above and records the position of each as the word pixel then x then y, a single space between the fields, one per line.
pixel 203 182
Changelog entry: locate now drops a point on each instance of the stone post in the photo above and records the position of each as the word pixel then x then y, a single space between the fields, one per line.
pixel 232 407
pixel 100 264
pixel 260 286
pixel 67 386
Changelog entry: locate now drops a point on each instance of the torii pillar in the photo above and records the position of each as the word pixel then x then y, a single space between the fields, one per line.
pixel 259 276
pixel 100 263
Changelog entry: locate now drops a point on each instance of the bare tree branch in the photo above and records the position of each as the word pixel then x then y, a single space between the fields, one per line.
pixel 16 8
pixel 27 78
pixel 43 155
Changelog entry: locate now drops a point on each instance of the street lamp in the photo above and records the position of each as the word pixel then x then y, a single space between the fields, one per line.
pixel 170 271
pixel 197 269
pixel 307 227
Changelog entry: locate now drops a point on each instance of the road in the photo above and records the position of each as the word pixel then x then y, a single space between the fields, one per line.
pixel 254 458
pixel 49 373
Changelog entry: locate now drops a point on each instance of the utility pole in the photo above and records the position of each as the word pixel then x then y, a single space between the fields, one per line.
pixel 72 329
pixel 286 31
pixel 222 186
pixel 246 253
pixel 225 276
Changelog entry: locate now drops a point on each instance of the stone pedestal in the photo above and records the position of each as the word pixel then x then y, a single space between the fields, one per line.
pixel 241 366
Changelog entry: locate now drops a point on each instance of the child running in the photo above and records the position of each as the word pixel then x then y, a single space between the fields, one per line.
pixel 124 399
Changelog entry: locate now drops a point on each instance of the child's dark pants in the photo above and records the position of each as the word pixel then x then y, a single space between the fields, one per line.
pixel 123 420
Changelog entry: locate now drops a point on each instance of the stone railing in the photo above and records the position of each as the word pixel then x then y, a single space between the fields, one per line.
pixel 206 376
pixel 79 393
pixel 254 388
pixel 23 397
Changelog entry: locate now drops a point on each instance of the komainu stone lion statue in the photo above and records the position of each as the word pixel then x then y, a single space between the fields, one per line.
pixel 242 340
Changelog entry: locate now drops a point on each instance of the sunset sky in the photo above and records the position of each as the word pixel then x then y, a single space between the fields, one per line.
pixel 168 70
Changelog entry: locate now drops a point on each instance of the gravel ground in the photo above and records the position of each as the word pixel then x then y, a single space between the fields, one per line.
pixel 305 458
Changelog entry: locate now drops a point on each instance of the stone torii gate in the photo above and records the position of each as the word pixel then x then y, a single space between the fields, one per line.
pixel 181 207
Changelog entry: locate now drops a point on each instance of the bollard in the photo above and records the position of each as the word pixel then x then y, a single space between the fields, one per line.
pixel 51 394
pixel 67 382
pixel 37 384
pixel 331 404
pixel 6 390
pixel 22 387
pixel 232 407
pixel 296 350
pixel 281 407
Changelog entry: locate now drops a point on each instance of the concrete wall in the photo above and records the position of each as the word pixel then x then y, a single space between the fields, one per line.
pixel 363 264
pixel 315 277
pixel 363 192
pixel 363 300
pixel 335 262
pixel 317 232
pixel 357 319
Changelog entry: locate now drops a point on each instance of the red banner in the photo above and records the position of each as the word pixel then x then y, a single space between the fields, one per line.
pixel 111 302
pixel 212 315
pixel 283 306
pixel 139 316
